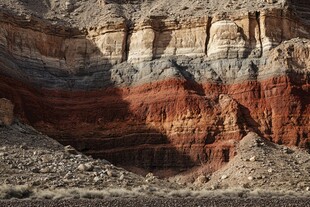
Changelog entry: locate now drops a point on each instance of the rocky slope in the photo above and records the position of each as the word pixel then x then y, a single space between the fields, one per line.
pixel 37 167
pixel 158 86
pixel 260 163
pixel 30 158
pixel 33 164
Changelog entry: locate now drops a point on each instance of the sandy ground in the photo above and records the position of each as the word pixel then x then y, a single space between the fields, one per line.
pixel 214 202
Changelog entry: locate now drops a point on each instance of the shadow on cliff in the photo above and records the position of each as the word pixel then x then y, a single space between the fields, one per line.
pixel 119 135
pixel 95 120
pixel 249 121
pixel 190 84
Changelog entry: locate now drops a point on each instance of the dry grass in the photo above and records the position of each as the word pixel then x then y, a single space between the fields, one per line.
pixel 8 192
pixel 79 193
pixel 22 192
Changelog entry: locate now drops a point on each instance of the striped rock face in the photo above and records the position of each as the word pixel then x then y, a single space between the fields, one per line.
pixel 159 93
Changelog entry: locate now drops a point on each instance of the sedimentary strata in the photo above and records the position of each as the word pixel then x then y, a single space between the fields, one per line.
pixel 158 92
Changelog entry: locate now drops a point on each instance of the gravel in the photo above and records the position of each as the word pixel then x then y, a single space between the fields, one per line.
pixel 214 202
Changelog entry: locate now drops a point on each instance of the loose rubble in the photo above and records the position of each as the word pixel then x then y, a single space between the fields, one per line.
pixel 43 167
pixel 30 158
pixel 260 164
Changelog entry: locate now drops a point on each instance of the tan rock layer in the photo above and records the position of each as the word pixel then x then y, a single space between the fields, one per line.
pixel 72 51
pixel 217 37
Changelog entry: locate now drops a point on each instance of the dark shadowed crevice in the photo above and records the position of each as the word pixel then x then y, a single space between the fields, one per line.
pixel 208 27
pixel 128 33
pixel 257 14
pixel 226 155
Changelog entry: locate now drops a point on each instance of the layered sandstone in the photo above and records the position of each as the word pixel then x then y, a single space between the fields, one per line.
pixel 158 92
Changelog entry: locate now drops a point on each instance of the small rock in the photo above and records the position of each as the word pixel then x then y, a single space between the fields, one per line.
pixel 23 146
pixel 250 178
pixel 202 179
pixel 89 166
pixel 69 149
pixel 79 156
pixel 122 177
pixel 35 183
pixel 46 158
pixel 214 187
pixel 96 179
pixel 69 6
pixel 4 148
pixel 85 167
pixel 270 170
pixel 35 170
pixel 286 150
pixel 45 170
pixel 224 177
pixel 253 159
pixel 69 175
pixel 150 176
pixel 110 173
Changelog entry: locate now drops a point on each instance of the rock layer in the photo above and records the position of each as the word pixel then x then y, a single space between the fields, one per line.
pixel 161 93
pixel 6 112
pixel 170 123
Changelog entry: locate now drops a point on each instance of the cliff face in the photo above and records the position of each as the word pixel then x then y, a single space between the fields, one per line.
pixel 159 92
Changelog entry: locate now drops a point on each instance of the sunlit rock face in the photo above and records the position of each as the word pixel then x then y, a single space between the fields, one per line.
pixel 160 93
pixel 227 40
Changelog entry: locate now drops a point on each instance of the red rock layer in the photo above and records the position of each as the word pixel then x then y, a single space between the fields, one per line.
pixel 169 124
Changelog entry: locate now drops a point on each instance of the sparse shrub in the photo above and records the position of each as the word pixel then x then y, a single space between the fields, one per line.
pixel 180 193
pixel 92 194
pixel 8 192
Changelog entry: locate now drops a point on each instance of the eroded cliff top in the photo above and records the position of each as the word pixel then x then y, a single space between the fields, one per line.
pixel 82 13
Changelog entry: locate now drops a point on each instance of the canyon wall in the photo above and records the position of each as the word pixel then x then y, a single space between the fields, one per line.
pixel 161 93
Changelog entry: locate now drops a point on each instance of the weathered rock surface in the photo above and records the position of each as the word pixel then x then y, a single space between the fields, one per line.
pixel 159 91
pixel 6 112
